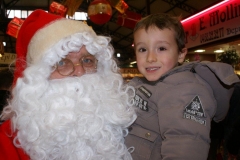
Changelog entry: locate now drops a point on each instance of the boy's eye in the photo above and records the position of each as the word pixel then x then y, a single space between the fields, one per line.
pixel 162 49
pixel 142 50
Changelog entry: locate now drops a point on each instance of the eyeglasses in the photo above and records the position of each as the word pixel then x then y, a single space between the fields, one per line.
pixel 65 67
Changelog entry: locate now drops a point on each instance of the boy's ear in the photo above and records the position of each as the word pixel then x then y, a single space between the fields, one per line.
pixel 182 55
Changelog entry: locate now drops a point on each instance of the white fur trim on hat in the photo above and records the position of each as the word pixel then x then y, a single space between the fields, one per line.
pixel 53 32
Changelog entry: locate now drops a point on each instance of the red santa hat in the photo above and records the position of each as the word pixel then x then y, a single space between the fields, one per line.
pixel 39 32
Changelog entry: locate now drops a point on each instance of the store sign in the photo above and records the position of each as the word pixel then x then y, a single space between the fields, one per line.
pixel 8 58
pixel 130 72
pixel 216 23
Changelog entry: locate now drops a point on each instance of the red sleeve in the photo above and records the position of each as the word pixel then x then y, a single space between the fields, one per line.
pixel 7 149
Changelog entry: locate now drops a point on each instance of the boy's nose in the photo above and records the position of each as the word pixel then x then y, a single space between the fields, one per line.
pixel 79 70
pixel 151 57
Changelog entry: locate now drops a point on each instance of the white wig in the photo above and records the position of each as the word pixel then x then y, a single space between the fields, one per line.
pixel 76 117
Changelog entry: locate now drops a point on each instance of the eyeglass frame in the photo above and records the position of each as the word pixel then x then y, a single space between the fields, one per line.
pixel 77 64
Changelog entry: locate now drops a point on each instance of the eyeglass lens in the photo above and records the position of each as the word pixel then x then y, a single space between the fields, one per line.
pixel 66 67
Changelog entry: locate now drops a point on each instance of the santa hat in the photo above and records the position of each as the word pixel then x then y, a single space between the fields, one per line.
pixel 39 32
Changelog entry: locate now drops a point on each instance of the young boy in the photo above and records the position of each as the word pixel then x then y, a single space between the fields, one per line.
pixel 176 102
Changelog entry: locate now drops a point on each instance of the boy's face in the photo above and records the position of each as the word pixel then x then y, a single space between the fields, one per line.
pixel 156 52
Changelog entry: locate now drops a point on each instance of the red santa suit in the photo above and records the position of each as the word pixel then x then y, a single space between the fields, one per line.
pixel 8 150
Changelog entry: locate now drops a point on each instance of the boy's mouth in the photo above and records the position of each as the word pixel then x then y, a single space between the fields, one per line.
pixel 152 68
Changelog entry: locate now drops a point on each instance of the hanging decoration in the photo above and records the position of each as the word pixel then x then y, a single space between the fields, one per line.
pixel 72 6
pixel 14 27
pixel 119 5
pixel 99 11
pixel 128 19
pixel 58 9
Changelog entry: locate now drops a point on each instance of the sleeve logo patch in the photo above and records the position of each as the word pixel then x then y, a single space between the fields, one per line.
pixel 141 103
pixel 194 111
pixel 144 91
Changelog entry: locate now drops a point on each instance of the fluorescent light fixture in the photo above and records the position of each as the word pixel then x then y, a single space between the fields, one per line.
pixel 80 16
pixel 219 51
pixel 199 50
pixel 24 13
pixel 210 8
pixel 133 62
pixel 29 12
pixel 17 13
pixel 10 13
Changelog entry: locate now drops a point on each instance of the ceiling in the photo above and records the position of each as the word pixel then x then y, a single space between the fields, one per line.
pixel 122 38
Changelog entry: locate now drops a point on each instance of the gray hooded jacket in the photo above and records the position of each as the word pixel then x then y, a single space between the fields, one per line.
pixel 175 112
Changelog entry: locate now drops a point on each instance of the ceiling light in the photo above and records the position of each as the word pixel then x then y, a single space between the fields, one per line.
pixel 219 51
pixel 200 50
pixel 133 62
pixel 118 55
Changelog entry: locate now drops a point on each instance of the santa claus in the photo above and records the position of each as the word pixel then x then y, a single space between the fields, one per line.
pixel 69 100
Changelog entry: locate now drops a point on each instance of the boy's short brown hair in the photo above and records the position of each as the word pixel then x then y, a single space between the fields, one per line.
pixel 162 21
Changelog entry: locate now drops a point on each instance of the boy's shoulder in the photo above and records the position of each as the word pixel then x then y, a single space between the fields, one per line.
pixel 204 69
pixel 223 71
pixel 221 78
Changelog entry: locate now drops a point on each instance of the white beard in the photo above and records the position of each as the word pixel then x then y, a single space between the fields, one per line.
pixel 74 118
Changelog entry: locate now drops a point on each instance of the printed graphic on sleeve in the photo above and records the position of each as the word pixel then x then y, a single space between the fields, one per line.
pixel 194 111
pixel 141 103
pixel 146 92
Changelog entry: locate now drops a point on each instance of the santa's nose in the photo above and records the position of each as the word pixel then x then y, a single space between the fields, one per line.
pixel 79 70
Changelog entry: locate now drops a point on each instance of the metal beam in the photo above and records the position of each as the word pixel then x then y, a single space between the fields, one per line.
pixel 181 5
pixel 11 3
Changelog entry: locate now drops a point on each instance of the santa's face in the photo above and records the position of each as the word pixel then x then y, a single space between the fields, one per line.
pixel 75 64
pixel 63 112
